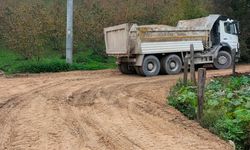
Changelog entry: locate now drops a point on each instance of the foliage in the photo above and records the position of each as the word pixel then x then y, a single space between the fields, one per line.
pixel 25 28
pixel 226 108
pixel 55 26
pixel 184 95
pixel 12 63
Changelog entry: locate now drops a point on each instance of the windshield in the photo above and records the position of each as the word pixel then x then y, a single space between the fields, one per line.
pixel 230 28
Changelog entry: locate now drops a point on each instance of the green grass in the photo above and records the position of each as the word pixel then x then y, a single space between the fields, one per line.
pixel 12 63
pixel 226 107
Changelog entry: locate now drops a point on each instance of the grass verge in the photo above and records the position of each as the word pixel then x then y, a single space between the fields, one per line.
pixel 226 107
pixel 12 63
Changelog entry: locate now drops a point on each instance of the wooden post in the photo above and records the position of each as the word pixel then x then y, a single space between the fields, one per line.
pixel 233 61
pixel 201 91
pixel 185 77
pixel 192 67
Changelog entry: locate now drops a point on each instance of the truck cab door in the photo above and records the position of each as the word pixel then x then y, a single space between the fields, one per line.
pixel 229 34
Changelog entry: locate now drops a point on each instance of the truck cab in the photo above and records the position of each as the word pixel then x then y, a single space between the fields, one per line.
pixel 226 33
pixel 229 31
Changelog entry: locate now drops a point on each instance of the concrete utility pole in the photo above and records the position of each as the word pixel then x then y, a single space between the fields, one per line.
pixel 69 34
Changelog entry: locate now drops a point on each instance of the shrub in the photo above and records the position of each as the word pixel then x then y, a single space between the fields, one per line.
pixel 42 66
pixel 11 63
pixel 184 99
pixel 226 108
pixel 57 65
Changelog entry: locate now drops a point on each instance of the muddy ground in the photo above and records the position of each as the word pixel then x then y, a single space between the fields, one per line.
pixel 97 110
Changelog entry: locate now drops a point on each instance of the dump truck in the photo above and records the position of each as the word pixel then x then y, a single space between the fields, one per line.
pixel 152 49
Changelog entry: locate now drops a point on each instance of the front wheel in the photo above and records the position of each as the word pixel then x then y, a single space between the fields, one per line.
pixel 223 60
pixel 150 67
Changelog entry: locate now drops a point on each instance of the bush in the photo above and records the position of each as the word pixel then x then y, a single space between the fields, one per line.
pixel 43 66
pixel 57 65
pixel 226 107
pixel 12 63
pixel 184 95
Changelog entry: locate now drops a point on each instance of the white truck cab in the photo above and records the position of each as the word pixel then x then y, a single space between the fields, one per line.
pixel 229 31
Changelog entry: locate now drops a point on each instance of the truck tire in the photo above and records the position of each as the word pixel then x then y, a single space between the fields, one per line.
pixel 126 69
pixel 223 60
pixel 150 67
pixel 171 64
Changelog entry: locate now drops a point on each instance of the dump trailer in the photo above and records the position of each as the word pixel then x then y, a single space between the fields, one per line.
pixel 151 49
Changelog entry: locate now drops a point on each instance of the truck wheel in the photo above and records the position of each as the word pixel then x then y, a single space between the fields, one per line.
pixel 126 69
pixel 150 67
pixel 171 64
pixel 223 60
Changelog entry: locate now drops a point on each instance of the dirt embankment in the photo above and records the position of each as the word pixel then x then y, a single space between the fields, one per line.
pixel 97 110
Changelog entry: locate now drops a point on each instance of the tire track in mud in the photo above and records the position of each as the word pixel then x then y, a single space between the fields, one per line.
pixel 97 110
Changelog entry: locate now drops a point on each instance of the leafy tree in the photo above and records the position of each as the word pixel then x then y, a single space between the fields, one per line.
pixel 55 22
pixel 24 25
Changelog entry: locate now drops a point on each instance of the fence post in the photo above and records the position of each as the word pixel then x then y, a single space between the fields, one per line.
pixel 192 67
pixel 233 61
pixel 185 77
pixel 201 91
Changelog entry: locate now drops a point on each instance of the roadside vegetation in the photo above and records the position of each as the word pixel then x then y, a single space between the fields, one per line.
pixel 11 63
pixel 226 109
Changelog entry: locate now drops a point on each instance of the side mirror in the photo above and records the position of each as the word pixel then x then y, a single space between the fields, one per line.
pixel 237 26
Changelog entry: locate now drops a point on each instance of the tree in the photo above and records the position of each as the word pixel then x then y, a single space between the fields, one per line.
pixel 56 25
pixel 24 28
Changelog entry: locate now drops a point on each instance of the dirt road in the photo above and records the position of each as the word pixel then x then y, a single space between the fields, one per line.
pixel 97 110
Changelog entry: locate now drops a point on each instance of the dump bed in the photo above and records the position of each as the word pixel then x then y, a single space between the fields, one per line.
pixel 128 39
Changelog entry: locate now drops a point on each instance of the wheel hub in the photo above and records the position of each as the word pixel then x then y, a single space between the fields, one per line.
pixel 222 60
pixel 172 65
pixel 150 66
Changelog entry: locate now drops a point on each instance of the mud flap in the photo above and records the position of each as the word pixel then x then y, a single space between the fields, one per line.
pixel 139 60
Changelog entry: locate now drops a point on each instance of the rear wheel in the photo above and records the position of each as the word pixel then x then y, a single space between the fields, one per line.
pixel 125 68
pixel 171 64
pixel 150 67
pixel 223 60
